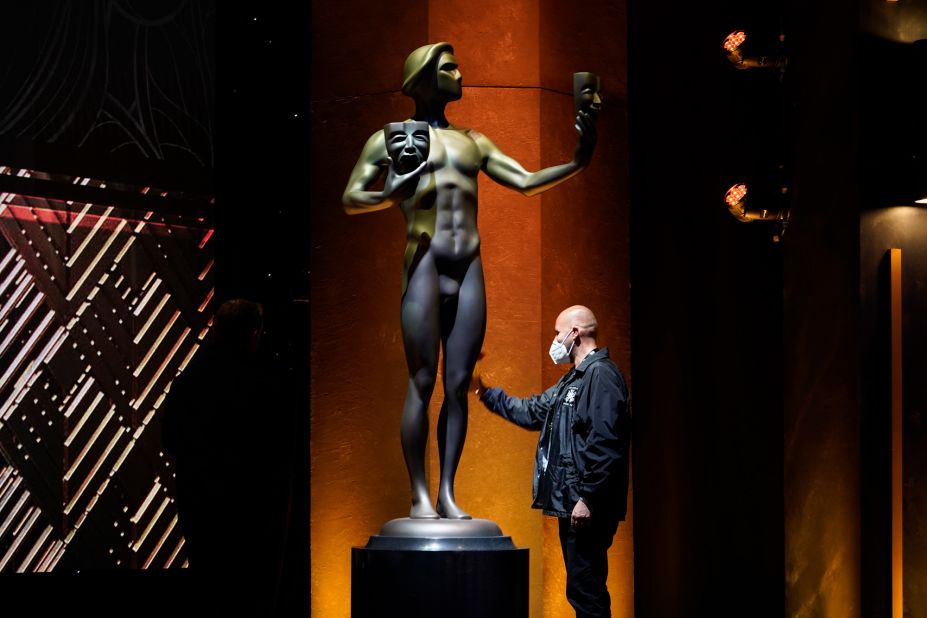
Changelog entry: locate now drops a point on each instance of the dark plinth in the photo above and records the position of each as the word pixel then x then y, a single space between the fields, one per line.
pixel 439 569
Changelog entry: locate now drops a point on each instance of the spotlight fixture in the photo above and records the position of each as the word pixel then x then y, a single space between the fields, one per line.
pixel 734 40
pixel 736 200
pixel 733 49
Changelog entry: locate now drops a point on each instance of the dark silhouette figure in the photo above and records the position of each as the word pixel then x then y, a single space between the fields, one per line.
pixel 229 435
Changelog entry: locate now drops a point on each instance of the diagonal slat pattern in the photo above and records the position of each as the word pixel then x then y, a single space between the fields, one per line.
pixel 100 309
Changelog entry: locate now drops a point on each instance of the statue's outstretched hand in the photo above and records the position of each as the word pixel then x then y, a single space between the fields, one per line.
pixel 399 187
pixel 585 126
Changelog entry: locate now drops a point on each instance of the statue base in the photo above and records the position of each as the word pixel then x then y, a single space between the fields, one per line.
pixel 448 568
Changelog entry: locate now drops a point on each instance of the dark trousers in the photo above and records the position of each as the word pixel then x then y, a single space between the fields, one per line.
pixel 585 555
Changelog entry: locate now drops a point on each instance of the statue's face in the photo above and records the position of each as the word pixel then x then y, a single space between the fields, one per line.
pixel 587 92
pixel 447 77
pixel 407 144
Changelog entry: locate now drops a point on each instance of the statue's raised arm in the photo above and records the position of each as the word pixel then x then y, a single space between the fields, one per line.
pixel 507 171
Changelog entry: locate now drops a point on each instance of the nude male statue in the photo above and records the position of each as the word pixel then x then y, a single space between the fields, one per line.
pixel 444 298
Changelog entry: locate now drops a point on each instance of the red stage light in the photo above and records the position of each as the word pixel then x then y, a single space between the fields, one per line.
pixel 734 40
pixel 735 195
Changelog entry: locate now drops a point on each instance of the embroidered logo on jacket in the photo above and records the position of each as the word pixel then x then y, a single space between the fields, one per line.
pixel 570 396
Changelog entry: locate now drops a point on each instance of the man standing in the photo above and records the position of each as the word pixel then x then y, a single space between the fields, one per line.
pixel 581 468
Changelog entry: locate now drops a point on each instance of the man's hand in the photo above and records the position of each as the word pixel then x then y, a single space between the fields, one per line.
pixel 477 386
pixel 585 126
pixel 581 516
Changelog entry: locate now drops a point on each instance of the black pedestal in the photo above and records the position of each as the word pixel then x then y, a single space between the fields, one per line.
pixel 439 576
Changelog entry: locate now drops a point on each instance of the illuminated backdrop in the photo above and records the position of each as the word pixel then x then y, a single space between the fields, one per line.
pixel 100 308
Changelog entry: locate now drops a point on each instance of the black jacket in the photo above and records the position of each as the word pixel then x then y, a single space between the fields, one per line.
pixel 583 449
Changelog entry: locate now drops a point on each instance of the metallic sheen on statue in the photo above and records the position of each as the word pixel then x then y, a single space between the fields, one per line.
pixel 431 169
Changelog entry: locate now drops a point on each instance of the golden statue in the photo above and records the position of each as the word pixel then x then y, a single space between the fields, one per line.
pixel 431 168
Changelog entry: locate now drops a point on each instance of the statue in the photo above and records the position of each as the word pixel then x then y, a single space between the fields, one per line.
pixel 431 171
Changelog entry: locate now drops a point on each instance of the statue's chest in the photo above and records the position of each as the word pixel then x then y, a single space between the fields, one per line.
pixel 455 149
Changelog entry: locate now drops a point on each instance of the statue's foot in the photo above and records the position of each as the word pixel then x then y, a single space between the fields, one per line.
pixel 423 510
pixel 448 509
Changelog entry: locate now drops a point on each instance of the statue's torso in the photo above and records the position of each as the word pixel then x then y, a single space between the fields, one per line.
pixel 444 205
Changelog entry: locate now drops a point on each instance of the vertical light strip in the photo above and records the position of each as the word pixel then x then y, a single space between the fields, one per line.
pixel 897 511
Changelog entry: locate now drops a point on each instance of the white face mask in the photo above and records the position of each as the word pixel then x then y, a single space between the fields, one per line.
pixel 559 353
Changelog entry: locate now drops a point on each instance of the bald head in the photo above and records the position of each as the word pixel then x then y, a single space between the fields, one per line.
pixel 576 326
pixel 579 316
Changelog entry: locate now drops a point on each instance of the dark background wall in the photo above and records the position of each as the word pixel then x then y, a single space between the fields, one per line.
pixel 893 160
pixel 821 293
pixel 262 232
pixel 905 228
pixel 706 318
pixel 761 445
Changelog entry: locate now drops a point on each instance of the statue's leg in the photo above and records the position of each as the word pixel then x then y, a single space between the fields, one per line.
pixel 421 335
pixel 462 344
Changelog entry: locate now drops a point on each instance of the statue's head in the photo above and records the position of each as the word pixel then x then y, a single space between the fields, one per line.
pixel 407 144
pixel 587 93
pixel 431 70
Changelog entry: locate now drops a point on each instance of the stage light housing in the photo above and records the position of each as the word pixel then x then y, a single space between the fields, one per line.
pixel 734 40
pixel 736 200
pixel 733 49
pixel 735 194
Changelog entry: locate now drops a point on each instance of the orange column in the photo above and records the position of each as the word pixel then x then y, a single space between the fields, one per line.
pixel 497 47
pixel 585 231
pixel 358 379
pixel 897 440
pixel 358 372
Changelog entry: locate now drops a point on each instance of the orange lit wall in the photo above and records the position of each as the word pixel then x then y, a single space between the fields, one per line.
pixel 540 254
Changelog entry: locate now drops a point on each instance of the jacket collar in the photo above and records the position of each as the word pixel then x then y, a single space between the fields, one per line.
pixel 592 357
